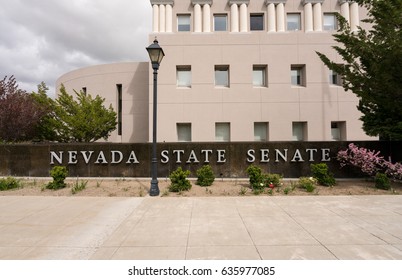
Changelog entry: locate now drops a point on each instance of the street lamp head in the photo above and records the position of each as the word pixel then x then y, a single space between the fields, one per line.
pixel 156 53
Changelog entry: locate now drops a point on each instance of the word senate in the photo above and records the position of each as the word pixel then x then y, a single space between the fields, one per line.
pixel 192 156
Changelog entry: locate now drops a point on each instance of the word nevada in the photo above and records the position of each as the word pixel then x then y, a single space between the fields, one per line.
pixel 191 156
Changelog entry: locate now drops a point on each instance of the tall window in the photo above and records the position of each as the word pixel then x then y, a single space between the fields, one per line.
pixel 293 21
pixel 299 131
pixel 330 22
pixel 222 75
pixel 260 131
pixel 183 75
pixel 183 132
pixel 298 75
pixel 259 75
pixel 220 22
pixel 334 78
pixel 338 131
pixel 222 132
pixel 119 108
pixel 183 23
pixel 256 22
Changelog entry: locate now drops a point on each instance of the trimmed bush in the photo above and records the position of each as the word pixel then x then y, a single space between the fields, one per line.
pixel 205 176
pixel 179 181
pixel 307 183
pixel 382 181
pixel 59 174
pixel 259 180
pixel 9 183
pixel 322 175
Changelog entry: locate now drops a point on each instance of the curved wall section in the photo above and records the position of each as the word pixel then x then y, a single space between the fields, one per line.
pixel 125 87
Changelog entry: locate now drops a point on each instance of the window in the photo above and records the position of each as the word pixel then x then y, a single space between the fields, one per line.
pixel 183 75
pixel 220 22
pixel 256 22
pixel 183 23
pixel 119 108
pixel 259 75
pixel 222 75
pixel 338 131
pixel 334 78
pixel 84 90
pixel 184 132
pixel 293 22
pixel 299 131
pixel 298 75
pixel 222 132
pixel 260 131
pixel 330 22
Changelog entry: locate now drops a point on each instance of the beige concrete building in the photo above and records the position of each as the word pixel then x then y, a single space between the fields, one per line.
pixel 234 70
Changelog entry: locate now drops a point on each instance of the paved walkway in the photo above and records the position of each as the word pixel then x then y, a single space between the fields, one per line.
pixel 313 227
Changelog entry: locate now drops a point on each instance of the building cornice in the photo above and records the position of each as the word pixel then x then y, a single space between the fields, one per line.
pixel 202 2
pixel 344 1
pixel 304 2
pixel 267 2
pixel 238 2
pixel 162 2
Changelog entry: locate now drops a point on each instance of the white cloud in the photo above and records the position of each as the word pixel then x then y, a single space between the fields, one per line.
pixel 41 40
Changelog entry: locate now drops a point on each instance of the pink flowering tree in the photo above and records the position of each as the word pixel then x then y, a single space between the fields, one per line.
pixel 369 162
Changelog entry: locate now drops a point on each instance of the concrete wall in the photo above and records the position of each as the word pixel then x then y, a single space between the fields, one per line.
pixel 292 159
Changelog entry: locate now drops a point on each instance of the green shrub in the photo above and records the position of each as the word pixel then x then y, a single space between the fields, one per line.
pixel 307 183
pixel 321 173
pixel 59 174
pixel 382 181
pixel 255 177
pixel 259 180
pixel 9 183
pixel 205 176
pixel 179 181
pixel 272 180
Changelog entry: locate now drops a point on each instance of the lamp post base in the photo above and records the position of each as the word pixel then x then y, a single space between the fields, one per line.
pixel 154 191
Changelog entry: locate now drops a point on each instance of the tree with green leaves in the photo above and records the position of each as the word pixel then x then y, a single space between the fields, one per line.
pixel 372 66
pixel 75 119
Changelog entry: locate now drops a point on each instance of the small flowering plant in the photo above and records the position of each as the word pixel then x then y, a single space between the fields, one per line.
pixel 259 180
pixel 307 183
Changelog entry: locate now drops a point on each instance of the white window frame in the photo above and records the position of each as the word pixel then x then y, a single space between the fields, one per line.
pixel 183 23
pixel 183 132
pixel 222 76
pixel 183 76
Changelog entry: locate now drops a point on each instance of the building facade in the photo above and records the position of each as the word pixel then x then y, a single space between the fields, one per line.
pixel 234 70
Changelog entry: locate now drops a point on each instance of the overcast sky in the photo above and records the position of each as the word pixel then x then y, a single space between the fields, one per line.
pixel 40 40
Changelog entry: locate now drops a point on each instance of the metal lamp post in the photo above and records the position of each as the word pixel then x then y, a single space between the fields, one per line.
pixel 156 55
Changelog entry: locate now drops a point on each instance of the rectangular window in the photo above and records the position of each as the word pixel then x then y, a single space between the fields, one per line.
pixel 183 23
pixel 119 108
pixel 183 76
pixel 222 132
pixel 334 78
pixel 298 75
pixel 330 22
pixel 256 22
pixel 220 22
pixel 184 132
pixel 259 75
pixel 338 131
pixel 222 75
pixel 293 21
pixel 260 131
pixel 299 131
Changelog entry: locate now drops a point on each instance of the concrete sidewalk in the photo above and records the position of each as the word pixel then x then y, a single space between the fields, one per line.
pixel 281 227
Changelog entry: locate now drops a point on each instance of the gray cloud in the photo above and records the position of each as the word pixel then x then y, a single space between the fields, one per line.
pixel 42 39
